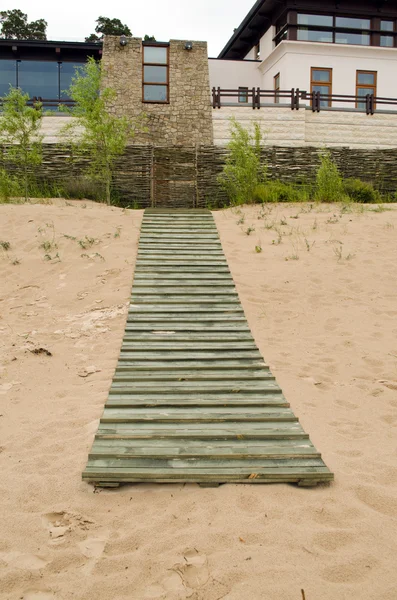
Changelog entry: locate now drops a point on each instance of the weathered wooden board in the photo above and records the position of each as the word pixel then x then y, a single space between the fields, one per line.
pixel 192 399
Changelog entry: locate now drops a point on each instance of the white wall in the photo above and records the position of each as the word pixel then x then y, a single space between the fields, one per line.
pixel 293 60
pixel 282 126
pixel 232 74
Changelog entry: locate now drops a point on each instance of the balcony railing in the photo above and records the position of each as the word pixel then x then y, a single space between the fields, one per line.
pixel 296 98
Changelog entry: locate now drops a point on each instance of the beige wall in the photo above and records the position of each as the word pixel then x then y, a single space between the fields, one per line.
pixel 285 127
pixel 186 119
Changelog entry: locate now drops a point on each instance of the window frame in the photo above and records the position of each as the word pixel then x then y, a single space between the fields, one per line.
pixel 367 86
pixel 374 31
pixel 166 65
pixel 327 84
pixel 276 85
pixel 242 93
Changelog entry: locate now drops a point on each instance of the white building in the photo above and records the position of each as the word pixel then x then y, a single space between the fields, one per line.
pixel 344 50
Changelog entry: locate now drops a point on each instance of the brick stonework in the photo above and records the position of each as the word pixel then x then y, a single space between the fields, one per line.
pixel 187 119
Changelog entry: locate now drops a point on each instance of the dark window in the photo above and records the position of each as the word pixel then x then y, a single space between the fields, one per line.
pixel 365 84
pixel 312 35
pixel 276 88
pixel 8 75
pixel 156 74
pixel 359 39
pixel 39 78
pixel 387 40
pixel 353 23
pixel 243 95
pixel 67 70
pixel 321 81
pixel 319 20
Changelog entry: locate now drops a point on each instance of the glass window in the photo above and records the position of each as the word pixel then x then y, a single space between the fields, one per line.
pixel 277 88
pixel 67 70
pixel 365 78
pixel 8 75
pixel 359 39
pixel 323 20
pixel 353 23
pixel 387 25
pixel 39 78
pixel 306 35
pixel 155 74
pixel 387 41
pixel 243 94
pixel 155 93
pixel 155 55
pixel 321 81
pixel 365 84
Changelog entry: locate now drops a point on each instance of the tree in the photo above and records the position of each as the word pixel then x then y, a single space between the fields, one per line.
pixel 14 25
pixel 106 26
pixel 149 38
pixel 95 131
pixel 243 171
pixel 20 131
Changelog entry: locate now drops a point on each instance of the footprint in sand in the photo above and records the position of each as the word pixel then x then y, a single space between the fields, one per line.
pixel 351 571
pixel 37 594
pixel 332 541
pixel 391 385
pixel 377 500
pixel 19 560
pixel 93 548
pixel 60 524
pixel 194 570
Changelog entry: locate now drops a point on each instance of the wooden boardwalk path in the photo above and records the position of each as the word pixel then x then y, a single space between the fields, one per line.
pixel 192 399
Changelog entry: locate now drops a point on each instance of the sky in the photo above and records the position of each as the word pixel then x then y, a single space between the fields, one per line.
pixel 205 20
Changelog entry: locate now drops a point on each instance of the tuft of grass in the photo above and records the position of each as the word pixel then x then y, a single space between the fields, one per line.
pixel 87 242
pixel 309 245
pixel 333 220
pixel 48 246
pixel 69 237
pixel 258 248
pixel 5 245
pixel 16 261
pixel 249 230
pixel 292 257
pixel 117 232
pixel 241 220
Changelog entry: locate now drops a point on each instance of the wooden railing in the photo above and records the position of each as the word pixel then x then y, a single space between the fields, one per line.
pixel 255 97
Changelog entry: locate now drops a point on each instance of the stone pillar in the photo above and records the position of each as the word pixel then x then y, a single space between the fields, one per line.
pixel 187 119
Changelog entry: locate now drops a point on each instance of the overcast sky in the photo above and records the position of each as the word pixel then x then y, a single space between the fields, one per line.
pixel 208 20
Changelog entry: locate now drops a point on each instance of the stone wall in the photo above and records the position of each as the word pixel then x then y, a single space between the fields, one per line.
pixel 296 128
pixel 187 119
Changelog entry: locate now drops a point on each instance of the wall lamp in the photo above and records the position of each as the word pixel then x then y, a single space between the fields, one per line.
pixel 189 46
pixel 123 40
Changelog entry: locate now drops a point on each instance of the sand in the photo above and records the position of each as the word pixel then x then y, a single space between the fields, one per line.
pixel 323 312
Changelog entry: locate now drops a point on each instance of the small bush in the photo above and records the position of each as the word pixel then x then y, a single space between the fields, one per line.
pixel 360 191
pixel 278 191
pixel 80 188
pixel 243 171
pixel 9 186
pixel 329 182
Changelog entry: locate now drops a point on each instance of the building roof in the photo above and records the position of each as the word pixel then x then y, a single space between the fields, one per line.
pixel 264 13
pixel 47 49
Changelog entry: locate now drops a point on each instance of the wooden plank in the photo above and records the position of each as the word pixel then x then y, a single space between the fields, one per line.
pixel 191 398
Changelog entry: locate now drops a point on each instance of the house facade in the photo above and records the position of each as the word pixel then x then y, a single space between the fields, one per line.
pixel 312 73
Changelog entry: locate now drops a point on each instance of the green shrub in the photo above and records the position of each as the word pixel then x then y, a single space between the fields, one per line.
pixel 243 171
pixel 9 186
pixel 278 191
pixel 329 182
pixel 79 188
pixel 361 191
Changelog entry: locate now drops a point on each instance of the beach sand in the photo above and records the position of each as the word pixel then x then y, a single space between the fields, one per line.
pixel 321 301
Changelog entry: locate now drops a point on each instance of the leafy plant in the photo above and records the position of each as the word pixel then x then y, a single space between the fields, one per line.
pixel 15 25
pixel 9 186
pixel 278 191
pixel 95 131
pixel 329 182
pixel 5 245
pixel 361 191
pixel 19 131
pixel 106 26
pixel 258 248
pixel 243 171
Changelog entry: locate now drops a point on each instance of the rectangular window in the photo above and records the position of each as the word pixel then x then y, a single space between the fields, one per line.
pixel 353 23
pixel 8 76
pixel 155 74
pixel 365 84
pixel 359 39
pixel 312 35
pixel 387 41
pixel 316 20
pixel 321 81
pixel 39 78
pixel 276 88
pixel 243 95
